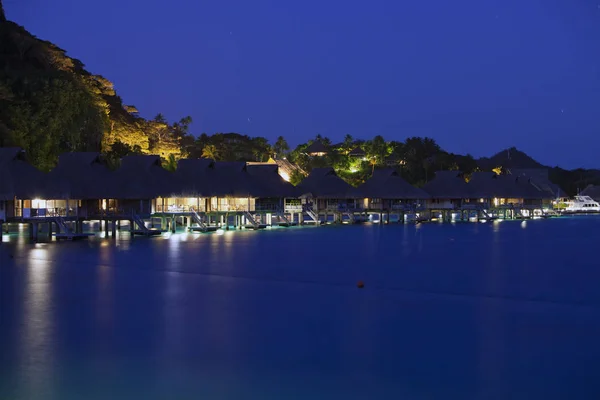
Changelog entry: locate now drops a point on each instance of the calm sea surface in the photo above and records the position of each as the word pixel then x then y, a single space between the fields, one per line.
pixel 506 310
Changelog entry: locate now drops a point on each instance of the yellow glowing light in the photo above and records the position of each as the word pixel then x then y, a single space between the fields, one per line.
pixel 38 203
pixel 284 175
pixel 353 170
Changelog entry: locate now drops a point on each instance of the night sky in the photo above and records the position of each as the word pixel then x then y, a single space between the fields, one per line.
pixel 476 75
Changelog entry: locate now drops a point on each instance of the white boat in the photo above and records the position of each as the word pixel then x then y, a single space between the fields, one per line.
pixel 582 204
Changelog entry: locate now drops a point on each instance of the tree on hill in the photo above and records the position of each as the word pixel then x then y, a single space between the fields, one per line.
pixel 210 151
pixel 348 144
pixel 2 15
pixel 281 147
pixel 119 150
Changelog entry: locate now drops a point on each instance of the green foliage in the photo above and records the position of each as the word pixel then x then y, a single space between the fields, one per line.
pixel 574 181
pixel 347 144
pixel 228 147
pixel 281 147
pixel 49 113
pixel 210 151
pixel 296 177
pixel 171 164
pixel 119 150
pixel 50 104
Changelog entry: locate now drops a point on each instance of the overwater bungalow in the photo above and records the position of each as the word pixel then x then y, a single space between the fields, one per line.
pixel 447 191
pixel 272 192
pixel 539 178
pixel 485 189
pixel 214 191
pixel 506 190
pixel 79 186
pixel 193 187
pixel 209 186
pixel 141 181
pixel 387 191
pixel 21 185
pixel 324 190
pixel 230 188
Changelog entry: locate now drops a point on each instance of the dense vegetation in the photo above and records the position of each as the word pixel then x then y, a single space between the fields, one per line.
pixel 50 104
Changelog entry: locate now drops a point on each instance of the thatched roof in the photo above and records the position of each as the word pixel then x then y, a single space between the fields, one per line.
pixel 266 182
pixel 357 152
pixel 316 147
pixel 447 185
pixel 527 189
pixel 490 185
pixel 484 185
pixel 18 178
pixel 593 191
pixel 192 177
pixel 81 175
pixel 287 167
pixel 388 184
pixel 229 179
pixel 324 182
pixel 143 177
pixel 539 178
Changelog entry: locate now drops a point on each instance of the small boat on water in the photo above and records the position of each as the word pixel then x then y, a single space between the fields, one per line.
pixel 582 205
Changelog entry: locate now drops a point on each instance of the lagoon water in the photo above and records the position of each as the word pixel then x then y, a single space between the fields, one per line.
pixel 467 311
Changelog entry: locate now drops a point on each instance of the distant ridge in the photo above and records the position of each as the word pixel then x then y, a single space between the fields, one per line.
pixel 509 158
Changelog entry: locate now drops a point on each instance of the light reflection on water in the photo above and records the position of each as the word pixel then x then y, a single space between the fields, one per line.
pixel 36 352
pixel 448 311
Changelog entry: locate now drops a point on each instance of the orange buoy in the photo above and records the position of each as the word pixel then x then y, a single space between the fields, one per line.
pixel 360 284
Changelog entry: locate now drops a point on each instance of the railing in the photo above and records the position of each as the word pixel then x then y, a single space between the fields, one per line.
pixel 266 206
pixel 350 217
pixel 282 216
pixel 251 219
pixel 177 209
pixel 62 225
pixel 198 220
pixel 308 210
pixel 115 212
pixel 44 212
pixel 140 223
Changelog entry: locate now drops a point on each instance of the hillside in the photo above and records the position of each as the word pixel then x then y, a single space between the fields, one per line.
pixel 572 181
pixel 509 158
pixel 49 103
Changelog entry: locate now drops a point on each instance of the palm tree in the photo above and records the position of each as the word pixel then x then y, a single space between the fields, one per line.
pixel 348 143
pixel 373 162
pixel 210 151
pixel 281 146
pixel 171 164
pixel 160 118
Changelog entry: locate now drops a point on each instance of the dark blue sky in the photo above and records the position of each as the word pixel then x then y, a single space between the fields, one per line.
pixel 476 75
